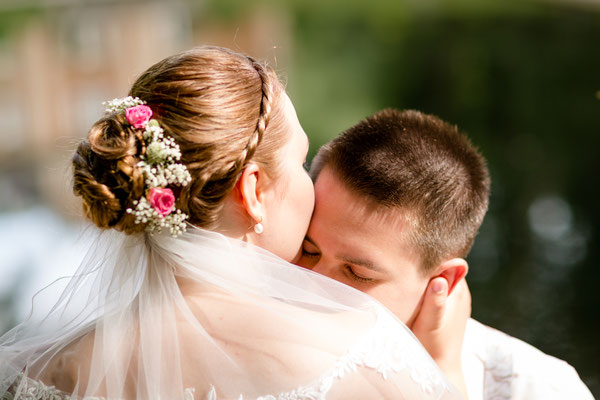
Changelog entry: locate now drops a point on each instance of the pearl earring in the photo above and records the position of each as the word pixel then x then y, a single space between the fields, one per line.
pixel 258 227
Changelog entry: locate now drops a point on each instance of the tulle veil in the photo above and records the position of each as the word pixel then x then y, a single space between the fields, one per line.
pixel 204 316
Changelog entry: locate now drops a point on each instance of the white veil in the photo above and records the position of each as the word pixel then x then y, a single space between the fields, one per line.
pixel 204 316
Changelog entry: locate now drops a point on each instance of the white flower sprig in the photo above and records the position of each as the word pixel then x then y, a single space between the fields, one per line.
pixel 119 105
pixel 159 162
pixel 145 213
pixel 160 168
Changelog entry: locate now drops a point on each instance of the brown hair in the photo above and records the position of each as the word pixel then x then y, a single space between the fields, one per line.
pixel 422 165
pixel 222 108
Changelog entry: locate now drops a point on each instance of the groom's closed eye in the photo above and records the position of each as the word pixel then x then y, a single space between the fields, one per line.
pixel 309 254
pixel 309 249
pixel 346 270
pixel 351 272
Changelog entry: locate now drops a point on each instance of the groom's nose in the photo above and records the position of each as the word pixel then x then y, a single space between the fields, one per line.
pixel 324 268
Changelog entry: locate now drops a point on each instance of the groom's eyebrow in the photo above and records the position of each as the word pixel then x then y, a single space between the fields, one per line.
pixel 363 263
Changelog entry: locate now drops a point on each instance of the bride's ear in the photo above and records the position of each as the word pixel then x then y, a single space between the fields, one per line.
pixel 249 187
pixel 453 271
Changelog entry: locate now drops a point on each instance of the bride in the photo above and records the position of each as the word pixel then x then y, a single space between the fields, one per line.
pixel 196 182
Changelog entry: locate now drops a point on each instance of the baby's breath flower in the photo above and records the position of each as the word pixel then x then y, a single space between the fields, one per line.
pixel 119 105
pixel 160 170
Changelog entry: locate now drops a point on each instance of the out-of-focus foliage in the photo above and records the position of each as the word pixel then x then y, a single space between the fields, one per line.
pixel 14 19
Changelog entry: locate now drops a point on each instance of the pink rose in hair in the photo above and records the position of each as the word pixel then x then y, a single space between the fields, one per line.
pixel 162 200
pixel 138 116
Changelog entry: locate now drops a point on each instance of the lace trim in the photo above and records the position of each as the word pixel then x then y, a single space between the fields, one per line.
pixel 29 389
pixel 390 349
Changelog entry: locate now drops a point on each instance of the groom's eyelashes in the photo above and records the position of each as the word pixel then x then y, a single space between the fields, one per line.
pixel 307 243
pixel 353 275
pixel 309 254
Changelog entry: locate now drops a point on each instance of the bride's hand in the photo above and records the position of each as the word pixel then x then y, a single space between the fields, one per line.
pixel 440 326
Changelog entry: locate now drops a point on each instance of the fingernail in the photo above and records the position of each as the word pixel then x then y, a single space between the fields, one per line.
pixel 438 286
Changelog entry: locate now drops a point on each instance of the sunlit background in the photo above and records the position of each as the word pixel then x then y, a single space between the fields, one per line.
pixel 522 78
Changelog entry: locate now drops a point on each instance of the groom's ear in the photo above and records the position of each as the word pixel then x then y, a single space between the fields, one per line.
pixel 453 271
pixel 249 191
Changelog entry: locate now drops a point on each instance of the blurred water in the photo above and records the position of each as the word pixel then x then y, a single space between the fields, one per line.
pixel 37 247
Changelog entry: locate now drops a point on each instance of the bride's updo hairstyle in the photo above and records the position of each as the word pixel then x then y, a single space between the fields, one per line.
pixel 222 108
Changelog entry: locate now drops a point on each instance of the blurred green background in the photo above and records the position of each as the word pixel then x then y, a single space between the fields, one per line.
pixel 522 78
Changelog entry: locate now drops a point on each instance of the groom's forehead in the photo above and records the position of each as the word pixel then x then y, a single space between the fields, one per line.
pixel 370 214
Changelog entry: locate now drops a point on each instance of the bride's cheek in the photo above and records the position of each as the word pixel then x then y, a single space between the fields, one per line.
pixel 310 194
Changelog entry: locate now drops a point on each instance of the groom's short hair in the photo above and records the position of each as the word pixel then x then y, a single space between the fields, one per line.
pixel 421 165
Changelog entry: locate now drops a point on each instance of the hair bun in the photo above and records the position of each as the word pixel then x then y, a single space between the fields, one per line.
pixel 104 173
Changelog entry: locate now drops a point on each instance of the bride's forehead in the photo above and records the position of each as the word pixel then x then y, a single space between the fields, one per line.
pixel 292 121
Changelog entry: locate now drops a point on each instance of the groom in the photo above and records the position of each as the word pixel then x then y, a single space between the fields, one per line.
pixel 399 199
